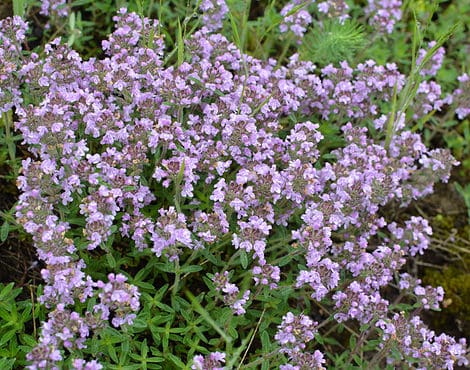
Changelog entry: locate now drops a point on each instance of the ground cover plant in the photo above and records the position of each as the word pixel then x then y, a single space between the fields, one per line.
pixel 222 190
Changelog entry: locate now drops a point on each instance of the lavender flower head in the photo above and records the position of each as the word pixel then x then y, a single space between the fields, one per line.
pixel 294 332
pixel 118 297
pixel 336 9
pixel 384 14
pixel 214 13
pixel 80 364
pixel 461 97
pixel 58 8
pixel 296 20
pixel 231 293
pixel 213 361
pixel 434 64
pixel 12 35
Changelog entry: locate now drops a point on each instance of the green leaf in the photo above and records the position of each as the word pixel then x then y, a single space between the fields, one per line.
pixel 124 352
pixel 144 285
pixel 265 341
pixel 6 291
pixel 191 268
pixel 112 353
pixel 7 336
pixel 4 230
pixel 111 260
pixel 165 307
pixel 330 340
pixel 358 360
pixel 7 363
pixel 371 345
pixel 165 267
pixel 175 360
pixel 139 324
pixel 181 302
pixel 28 340
pixel 352 342
pixel 19 7
pixel 243 259
pixel 26 313
pixel 142 274
pixel 284 260
pixel 78 3
pixel 180 44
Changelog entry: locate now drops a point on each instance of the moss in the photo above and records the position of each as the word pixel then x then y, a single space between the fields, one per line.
pixel 454 277
pixel 456 312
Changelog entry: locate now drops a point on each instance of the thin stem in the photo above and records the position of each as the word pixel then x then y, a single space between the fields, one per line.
pixel 175 286
pixel 251 339
pixel 7 119
pixel 259 361
pixel 33 312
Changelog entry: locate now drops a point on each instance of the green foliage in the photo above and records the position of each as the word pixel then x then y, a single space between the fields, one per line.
pixel 19 7
pixel 465 193
pixel 8 147
pixel 17 326
pixel 9 170
pixel 333 42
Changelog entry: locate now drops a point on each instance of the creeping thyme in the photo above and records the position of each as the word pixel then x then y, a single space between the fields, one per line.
pixel 225 151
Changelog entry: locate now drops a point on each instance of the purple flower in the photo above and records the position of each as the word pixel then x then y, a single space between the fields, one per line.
pixel 334 9
pixel 294 332
pixel 118 297
pixel 435 62
pixel 214 13
pixel 384 14
pixel 213 361
pixel 460 97
pixel 266 275
pixel 295 20
pixel 230 293
pixel 80 364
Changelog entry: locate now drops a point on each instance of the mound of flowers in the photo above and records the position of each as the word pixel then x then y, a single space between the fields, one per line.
pixel 222 161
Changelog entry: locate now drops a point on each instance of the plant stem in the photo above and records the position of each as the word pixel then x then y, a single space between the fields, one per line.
pixel 7 119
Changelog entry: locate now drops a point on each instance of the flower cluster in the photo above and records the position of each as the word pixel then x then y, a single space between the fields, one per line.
pixel 336 9
pixel 461 97
pixel 413 237
pixel 169 231
pixel 80 364
pixel 296 15
pixel 420 346
pixel 214 13
pixel 221 150
pixel 293 335
pixel 435 62
pixel 12 34
pixel 231 293
pixel 296 19
pixel 55 8
pixel 428 99
pixel 267 275
pixel 427 297
pixel 63 329
pixel 118 297
pixel 213 361
pixel 384 14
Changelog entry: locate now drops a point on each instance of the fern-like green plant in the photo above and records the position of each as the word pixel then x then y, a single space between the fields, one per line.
pixel 333 42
